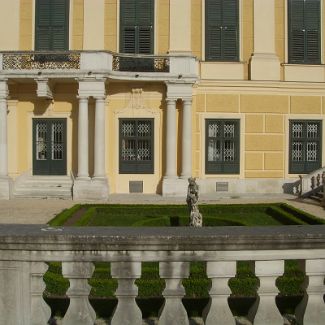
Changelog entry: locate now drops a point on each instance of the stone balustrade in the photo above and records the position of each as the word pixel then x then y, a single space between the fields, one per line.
pixel 25 250
pixel 81 64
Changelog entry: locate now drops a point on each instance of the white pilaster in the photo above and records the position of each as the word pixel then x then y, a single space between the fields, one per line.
pixel 4 179
pixel 180 24
pixel 265 64
pixel 171 139
pixel 99 163
pixel 83 171
pixel 187 139
pixel 97 187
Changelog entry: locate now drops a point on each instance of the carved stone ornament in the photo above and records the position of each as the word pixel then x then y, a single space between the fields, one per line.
pixel 192 203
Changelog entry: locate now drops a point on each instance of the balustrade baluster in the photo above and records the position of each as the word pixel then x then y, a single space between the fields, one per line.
pixel 312 180
pixel 218 312
pixel 80 312
pixel 267 312
pixel 315 310
pixel 318 180
pixel 40 311
pixel 127 311
pixel 173 311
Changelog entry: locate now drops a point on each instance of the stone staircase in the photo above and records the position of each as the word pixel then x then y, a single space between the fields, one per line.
pixel 311 186
pixel 28 186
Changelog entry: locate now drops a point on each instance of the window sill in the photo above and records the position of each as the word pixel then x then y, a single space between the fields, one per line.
pixel 304 72
pixel 212 70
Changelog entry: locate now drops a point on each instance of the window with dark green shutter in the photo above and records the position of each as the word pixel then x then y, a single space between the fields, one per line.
pixel 52 25
pixel 136 146
pixel 305 146
pixel 222 147
pixel 136 26
pixel 304 31
pixel 221 30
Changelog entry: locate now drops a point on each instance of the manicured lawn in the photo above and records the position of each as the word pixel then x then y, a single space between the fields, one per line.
pixel 177 215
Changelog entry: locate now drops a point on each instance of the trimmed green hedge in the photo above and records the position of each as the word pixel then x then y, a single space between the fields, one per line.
pixel 306 217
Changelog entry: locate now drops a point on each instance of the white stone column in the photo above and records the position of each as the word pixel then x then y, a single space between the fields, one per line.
pixel 99 163
pixel 3 138
pixel 171 138
pixel 83 171
pixel 187 139
pixel 265 64
pixel 4 179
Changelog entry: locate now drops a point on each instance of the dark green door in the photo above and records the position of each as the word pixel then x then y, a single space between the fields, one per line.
pixel 49 147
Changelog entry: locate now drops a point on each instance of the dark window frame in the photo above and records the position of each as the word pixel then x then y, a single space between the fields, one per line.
pixel 66 26
pixel 139 31
pixel 302 33
pixel 136 166
pixel 304 167
pixel 223 167
pixel 223 29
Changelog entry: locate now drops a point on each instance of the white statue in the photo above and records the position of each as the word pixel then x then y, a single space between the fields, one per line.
pixel 192 203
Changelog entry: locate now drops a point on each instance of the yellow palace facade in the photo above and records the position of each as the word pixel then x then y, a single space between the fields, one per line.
pixel 135 96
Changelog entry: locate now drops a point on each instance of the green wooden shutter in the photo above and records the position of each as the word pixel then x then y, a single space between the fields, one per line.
pixel 312 34
pixel 213 20
pixel 222 30
pixel 136 26
pixel 304 31
pixel 43 25
pixel 52 25
pixel 230 35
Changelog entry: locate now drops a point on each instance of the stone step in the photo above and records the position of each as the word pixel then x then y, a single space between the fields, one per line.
pixel 44 187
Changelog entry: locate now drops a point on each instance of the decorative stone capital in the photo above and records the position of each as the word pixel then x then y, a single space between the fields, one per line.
pixel 92 88
pixel 4 91
pixel 44 88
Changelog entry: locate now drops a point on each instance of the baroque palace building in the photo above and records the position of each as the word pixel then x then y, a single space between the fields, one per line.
pixel 135 96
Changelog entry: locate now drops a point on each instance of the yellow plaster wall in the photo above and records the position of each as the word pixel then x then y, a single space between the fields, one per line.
pixel 247 33
pixel 24 106
pixel 110 33
pixel 263 124
pixel 77 25
pixel 26 25
pixel 197 28
pixel 9 25
pixel 120 106
pixel 280 32
pixel 162 26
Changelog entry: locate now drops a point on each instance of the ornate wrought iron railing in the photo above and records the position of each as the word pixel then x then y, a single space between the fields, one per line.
pixel 40 60
pixel 136 63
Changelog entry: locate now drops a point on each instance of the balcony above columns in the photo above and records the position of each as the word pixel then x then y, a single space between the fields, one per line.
pixel 114 66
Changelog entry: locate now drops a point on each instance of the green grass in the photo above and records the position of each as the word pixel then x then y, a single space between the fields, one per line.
pixel 197 285
pixel 160 215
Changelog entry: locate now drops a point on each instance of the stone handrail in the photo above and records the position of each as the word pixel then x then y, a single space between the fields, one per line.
pixel 25 249
pixel 309 182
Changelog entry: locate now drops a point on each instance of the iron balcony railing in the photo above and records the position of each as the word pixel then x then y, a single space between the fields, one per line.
pixel 67 60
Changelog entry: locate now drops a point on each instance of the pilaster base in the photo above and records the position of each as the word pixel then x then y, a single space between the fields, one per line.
pixel 5 187
pixel 174 187
pixel 92 189
pixel 265 66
